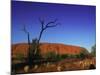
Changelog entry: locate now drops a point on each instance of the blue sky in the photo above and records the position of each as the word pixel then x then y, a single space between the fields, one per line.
pixel 77 23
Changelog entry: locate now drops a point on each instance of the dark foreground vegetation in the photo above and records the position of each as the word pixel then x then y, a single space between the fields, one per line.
pixel 53 65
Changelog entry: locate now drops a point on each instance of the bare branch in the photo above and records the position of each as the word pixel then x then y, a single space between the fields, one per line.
pixel 53 25
pixel 48 25
pixel 52 22
pixel 42 22
pixel 24 29
pixel 28 34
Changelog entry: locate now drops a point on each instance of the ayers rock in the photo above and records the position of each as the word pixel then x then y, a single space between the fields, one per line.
pixel 47 47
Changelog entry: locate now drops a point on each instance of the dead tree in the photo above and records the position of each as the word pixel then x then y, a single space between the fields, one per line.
pixel 28 35
pixel 29 43
pixel 45 26
pixel 33 51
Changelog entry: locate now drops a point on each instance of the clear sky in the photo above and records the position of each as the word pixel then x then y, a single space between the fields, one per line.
pixel 77 23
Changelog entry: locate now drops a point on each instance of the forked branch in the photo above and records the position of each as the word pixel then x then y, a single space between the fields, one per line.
pixel 28 35
pixel 45 26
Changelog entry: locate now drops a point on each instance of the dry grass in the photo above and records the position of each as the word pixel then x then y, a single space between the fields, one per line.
pixel 60 66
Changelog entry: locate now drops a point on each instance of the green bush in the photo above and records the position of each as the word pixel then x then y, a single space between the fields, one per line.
pixel 53 55
pixel 50 55
pixel 63 56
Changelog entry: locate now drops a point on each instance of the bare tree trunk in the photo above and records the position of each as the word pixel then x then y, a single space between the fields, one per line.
pixel 43 28
pixel 28 39
pixel 33 52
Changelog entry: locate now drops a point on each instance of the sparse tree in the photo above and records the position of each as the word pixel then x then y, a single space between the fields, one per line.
pixel 27 33
pixel 29 43
pixel 45 26
pixel 34 51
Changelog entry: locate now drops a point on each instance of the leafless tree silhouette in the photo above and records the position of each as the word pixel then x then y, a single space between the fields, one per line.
pixel 27 32
pixel 29 42
pixel 33 51
pixel 45 26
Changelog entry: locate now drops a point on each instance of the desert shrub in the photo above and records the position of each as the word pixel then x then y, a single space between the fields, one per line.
pixel 63 56
pixel 77 56
pixel 56 57
pixel 50 55
pixel 83 54
pixel 71 56
pixel 34 52
pixel 19 56
pixel 93 50
pixel 53 56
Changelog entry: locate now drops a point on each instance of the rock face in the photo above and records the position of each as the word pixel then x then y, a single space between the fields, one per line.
pixel 22 48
